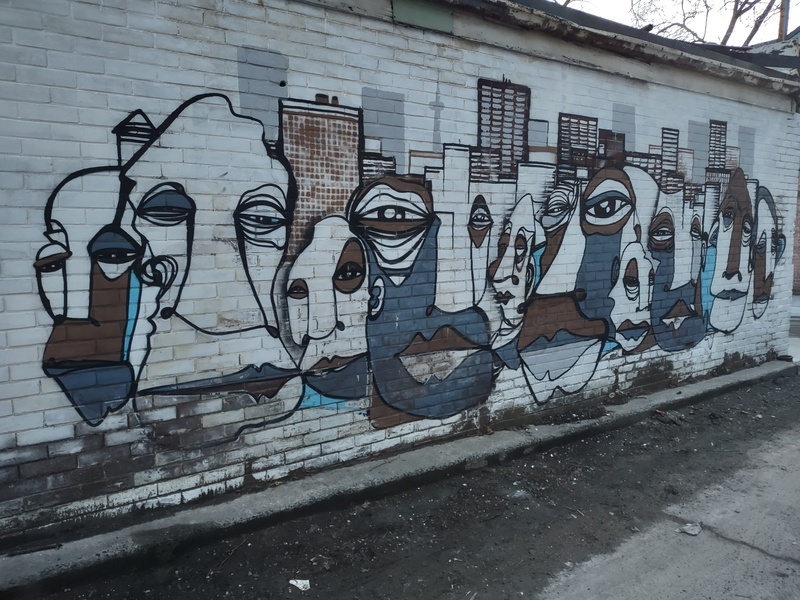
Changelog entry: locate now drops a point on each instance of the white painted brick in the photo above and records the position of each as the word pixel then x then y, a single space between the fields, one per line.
pixel 45 434
pixel 125 437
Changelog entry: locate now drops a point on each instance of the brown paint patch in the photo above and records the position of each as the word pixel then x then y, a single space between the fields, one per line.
pixel 737 206
pixel 382 416
pixel 547 315
pixel 445 338
pixel 100 338
pixel 351 268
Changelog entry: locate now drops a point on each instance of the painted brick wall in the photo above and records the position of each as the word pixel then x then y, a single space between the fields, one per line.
pixel 245 239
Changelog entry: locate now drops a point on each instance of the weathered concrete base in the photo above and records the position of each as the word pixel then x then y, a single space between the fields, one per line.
pixel 748 547
pixel 161 536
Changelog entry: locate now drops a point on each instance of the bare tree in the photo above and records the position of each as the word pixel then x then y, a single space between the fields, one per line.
pixel 698 20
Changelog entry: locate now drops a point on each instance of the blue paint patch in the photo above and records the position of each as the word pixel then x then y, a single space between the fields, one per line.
pixel 609 346
pixel 705 282
pixel 313 399
pixel 134 296
pixel 537 265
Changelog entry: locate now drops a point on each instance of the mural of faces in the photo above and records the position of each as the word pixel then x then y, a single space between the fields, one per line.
pixel 632 294
pixel 731 236
pixel 675 239
pixel 427 360
pixel 411 291
pixel 610 222
pixel 559 346
pixel 513 273
pixel 99 290
pixel 208 197
pixel 328 299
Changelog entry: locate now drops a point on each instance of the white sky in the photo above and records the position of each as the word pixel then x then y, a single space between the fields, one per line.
pixel 619 10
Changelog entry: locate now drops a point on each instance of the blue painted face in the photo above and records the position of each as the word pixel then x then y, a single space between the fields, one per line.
pixel 425 361
pixel 675 241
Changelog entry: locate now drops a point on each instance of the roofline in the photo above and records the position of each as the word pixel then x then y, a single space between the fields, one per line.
pixel 576 26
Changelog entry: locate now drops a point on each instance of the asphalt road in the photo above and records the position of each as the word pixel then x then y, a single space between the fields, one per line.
pixel 595 518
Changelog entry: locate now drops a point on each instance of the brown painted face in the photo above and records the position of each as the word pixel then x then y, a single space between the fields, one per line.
pixel 558 346
pixel 732 272
pixel 90 282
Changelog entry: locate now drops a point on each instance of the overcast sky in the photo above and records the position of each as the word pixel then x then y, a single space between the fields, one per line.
pixel 619 10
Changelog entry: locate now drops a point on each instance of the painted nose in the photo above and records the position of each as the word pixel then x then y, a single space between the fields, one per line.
pixel 730 275
pixel 322 310
pixel 454 285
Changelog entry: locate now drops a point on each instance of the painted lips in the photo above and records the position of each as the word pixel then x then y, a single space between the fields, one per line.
pixel 676 315
pixel 731 294
pixel 438 356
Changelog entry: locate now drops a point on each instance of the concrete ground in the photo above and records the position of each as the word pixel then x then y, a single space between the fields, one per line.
pixel 746 545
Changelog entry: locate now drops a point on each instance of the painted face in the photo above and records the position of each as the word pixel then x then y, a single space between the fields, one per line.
pixel 100 293
pixel 208 224
pixel 207 196
pixel 732 233
pixel 632 294
pixel 558 346
pixel 675 241
pixel 768 246
pixel 609 223
pixel 513 272
pixel 481 227
pixel 328 300
pixel 427 359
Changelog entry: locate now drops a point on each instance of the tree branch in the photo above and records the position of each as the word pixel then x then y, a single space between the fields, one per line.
pixel 680 27
pixel 759 20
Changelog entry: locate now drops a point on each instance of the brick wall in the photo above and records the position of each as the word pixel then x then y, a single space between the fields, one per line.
pixel 241 240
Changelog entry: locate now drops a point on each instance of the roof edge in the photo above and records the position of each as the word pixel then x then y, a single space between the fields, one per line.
pixel 576 26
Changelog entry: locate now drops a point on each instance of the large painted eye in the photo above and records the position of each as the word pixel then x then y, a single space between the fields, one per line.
pixel 662 233
pixel 696 230
pixel 713 236
pixel 502 244
pixel 351 269
pixel 298 289
pixel 607 209
pixel 727 220
pixel 114 251
pixel 261 220
pixel 50 263
pixel 480 220
pixel 747 232
pixel 630 280
pixel 557 209
pixel 520 249
pixel 166 206
pixel 761 246
pixel 631 285
pixel 51 275
pixel 393 223
pixel 113 247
